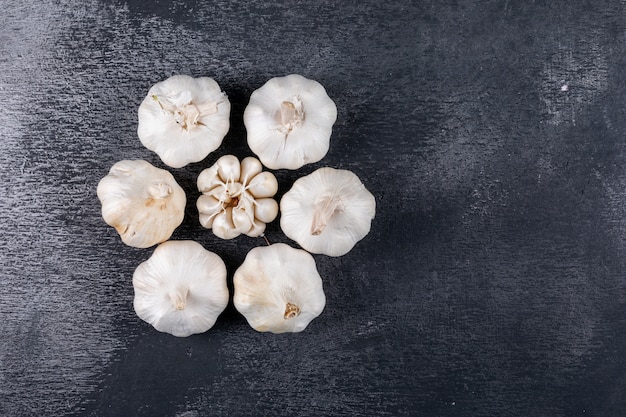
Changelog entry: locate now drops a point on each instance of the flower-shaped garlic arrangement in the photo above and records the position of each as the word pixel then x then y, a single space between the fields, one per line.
pixel 181 289
pixel 236 197
pixel 327 211
pixel 142 202
pixel 289 122
pixel 183 119
pixel 278 289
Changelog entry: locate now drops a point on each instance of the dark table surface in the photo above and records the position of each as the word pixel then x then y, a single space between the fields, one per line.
pixel 492 283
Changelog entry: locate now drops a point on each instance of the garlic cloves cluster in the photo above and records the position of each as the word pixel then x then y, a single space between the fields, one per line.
pixel 142 202
pixel 327 211
pixel 278 289
pixel 183 119
pixel 181 289
pixel 236 197
pixel 289 122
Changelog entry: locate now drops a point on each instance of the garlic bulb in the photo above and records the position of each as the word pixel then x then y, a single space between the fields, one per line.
pixel 278 289
pixel 183 119
pixel 181 289
pixel 327 211
pixel 289 122
pixel 236 197
pixel 142 202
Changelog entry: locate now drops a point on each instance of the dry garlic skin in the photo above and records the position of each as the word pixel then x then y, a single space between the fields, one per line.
pixel 183 119
pixel 327 211
pixel 289 121
pixel 142 202
pixel 181 289
pixel 278 289
pixel 236 197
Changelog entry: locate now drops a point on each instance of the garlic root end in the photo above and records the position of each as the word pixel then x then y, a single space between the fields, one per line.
pixel 291 311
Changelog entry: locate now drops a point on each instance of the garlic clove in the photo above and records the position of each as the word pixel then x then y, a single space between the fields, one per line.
pixel 223 225
pixel 242 220
pixel 327 211
pixel 181 289
pixel 278 289
pixel 208 204
pixel 228 168
pixel 263 185
pixel 289 122
pixel 250 167
pixel 209 179
pixel 206 220
pixel 258 228
pixel 266 209
pixel 183 119
pixel 142 202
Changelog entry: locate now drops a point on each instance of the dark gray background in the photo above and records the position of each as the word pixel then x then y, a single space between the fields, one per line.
pixel 492 134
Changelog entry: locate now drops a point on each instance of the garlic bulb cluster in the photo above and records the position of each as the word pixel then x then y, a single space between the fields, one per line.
pixel 142 202
pixel 183 119
pixel 327 211
pixel 181 289
pixel 289 121
pixel 278 289
pixel 236 197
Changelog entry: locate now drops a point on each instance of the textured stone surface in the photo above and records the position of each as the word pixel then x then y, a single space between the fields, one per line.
pixel 493 282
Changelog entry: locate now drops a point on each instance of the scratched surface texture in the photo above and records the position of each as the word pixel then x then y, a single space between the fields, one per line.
pixel 492 133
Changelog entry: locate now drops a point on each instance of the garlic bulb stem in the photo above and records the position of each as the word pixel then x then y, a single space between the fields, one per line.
pixel 179 298
pixel 291 311
pixel 291 115
pixel 186 114
pixel 324 208
pixel 159 191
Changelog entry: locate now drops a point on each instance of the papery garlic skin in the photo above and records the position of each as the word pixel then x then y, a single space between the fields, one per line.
pixel 181 289
pixel 142 202
pixel 236 197
pixel 327 211
pixel 278 289
pixel 183 119
pixel 289 122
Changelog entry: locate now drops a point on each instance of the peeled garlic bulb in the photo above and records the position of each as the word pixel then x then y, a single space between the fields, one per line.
pixel 236 197
pixel 278 289
pixel 142 202
pixel 181 289
pixel 327 211
pixel 289 122
pixel 183 119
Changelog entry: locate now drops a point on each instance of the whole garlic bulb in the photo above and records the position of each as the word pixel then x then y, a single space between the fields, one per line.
pixel 142 202
pixel 327 211
pixel 236 197
pixel 183 119
pixel 289 122
pixel 278 289
pixel 181 289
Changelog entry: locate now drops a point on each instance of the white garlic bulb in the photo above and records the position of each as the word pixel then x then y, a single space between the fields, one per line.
pixel 181 289
pixel 327 211
pixel 236 197
pixel 278 289
pixel 183 119
pixel 289 122
pixel 142 202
